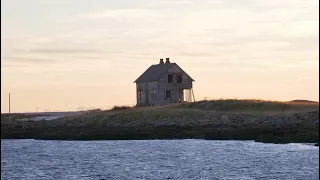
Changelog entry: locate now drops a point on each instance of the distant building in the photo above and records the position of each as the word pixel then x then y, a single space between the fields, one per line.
pixel 163 83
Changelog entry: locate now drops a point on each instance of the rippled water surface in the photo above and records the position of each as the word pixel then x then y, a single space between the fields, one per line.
pixel 157 159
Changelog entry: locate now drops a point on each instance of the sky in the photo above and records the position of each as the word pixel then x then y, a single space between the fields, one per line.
pixel 66 55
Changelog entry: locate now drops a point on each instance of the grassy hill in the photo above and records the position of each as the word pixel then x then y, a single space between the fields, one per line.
pixel 266 121
pixel 303 101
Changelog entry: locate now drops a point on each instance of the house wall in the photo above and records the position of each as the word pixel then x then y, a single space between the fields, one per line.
pixel 142 87
pixel 186 80
pixel 153 86
pixel 147 98
pixel 176 89
pixel 161 86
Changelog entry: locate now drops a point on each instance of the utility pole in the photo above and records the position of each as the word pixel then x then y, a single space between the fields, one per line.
pixel 37 109
pixel 9 108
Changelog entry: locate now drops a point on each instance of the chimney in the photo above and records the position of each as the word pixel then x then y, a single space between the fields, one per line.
pixel 167 60
pixel 161 61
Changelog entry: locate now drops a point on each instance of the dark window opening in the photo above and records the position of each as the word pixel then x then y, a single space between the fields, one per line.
pixel 153 94
pixel 170 78
pixel 168 95
pixel 139 95
pixel 179 78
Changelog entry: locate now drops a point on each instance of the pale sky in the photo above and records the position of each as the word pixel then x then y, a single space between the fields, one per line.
pixel 77 54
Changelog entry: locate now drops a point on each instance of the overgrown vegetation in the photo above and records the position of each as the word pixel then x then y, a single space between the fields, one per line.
pixel 250 105
pixel 263 121
pixel 118 108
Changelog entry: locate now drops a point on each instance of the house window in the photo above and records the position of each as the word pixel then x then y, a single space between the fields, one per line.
pixel 167 94
pixel 153 93
pixel 170 78
pixel 179 78
pixel 139 95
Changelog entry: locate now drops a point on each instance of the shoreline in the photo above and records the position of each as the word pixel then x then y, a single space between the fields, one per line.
pixel 260 121
pixel 77 140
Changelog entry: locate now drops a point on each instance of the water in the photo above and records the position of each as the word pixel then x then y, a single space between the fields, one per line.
pixel 157 159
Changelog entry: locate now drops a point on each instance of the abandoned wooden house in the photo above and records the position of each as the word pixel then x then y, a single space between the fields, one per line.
pixel 163 83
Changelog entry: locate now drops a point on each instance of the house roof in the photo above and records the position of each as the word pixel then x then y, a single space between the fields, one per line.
pixel 154 72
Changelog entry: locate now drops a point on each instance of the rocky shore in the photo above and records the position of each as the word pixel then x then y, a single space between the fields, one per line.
pixel 260 121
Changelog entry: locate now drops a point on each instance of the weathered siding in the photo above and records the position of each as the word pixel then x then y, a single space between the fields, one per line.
pixel 176 89
pixel 147 87
pixel 152 86
pixel 163 86
pixel 142 87
pixel 175 69
pixel 186 80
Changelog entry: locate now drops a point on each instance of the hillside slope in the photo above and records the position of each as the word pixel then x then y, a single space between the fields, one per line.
pixel 266 121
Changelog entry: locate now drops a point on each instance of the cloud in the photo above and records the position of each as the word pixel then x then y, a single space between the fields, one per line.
pixel 63 51
pixel 29 61
pixel 120 14
pixel 206 29
pixel 11 65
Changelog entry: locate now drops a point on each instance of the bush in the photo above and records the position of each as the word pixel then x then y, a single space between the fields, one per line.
pixel 119 108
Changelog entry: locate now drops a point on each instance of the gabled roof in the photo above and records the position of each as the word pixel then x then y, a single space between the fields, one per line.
pixel 154 72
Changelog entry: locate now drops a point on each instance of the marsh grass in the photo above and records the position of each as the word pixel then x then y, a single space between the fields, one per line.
pixel 200 109
pixel 263 121
pixel 251 105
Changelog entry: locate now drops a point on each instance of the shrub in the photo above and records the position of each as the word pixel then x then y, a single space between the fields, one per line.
pixel 119 108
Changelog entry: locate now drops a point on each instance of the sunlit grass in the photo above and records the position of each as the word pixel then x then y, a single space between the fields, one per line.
pixel 201 109
pixel 250 105
pixel 245 119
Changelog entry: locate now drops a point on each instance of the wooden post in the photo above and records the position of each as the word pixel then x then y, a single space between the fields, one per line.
pixel 194 100
pixel 186 94
pixel 177 96
pixel 147 95
pixel 9 108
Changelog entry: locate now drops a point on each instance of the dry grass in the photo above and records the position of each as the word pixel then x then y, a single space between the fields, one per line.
pixel 200 109
pixel 208 119
pixel 251 105
pixel 118 108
